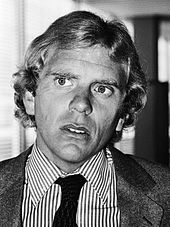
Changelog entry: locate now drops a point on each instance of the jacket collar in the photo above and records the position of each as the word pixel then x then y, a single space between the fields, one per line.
pixel 134 185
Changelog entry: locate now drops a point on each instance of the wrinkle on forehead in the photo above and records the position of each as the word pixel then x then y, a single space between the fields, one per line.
pixel 93 55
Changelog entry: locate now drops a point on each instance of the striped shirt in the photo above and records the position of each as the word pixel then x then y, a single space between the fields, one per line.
pixel 97 205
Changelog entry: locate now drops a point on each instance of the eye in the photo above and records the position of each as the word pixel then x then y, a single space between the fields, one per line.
pixel 104 90
pixel 63 81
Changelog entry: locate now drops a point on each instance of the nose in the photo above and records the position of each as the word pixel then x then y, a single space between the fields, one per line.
pixel 81 103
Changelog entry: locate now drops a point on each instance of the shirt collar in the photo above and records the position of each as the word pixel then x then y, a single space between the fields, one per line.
pixel 98 172
pixel 41 173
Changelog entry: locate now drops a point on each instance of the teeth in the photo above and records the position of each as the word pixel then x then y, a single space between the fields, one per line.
pixel 77 131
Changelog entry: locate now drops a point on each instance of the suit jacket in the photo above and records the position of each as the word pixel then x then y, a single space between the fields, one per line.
pixel 143 191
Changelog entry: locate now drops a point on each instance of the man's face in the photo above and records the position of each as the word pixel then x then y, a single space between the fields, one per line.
pixel 76 105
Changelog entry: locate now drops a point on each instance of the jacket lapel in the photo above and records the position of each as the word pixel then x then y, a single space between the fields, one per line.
pixel 12 189
pixel 133 186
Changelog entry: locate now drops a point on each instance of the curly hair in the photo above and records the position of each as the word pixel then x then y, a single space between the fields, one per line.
pixel 82 29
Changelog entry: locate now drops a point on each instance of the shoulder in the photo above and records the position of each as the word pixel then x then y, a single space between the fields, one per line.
pixel 155 170
pixel 160 174
pixel 14 168
pixel 158 171
pixel 140 172
pixel 16 161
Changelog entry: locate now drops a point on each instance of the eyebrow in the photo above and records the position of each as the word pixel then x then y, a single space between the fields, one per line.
pixel 63 74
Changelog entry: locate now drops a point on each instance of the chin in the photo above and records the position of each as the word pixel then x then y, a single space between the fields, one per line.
pixel 72 153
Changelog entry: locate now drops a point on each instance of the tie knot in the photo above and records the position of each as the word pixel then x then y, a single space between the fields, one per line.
pixel 71 186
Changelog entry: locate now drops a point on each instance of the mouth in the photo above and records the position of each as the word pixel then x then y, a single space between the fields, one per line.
pixel 76 130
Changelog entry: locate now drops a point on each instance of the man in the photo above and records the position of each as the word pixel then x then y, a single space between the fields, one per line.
pixel 80 85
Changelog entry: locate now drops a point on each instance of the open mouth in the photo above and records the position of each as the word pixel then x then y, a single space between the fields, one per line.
pixel 77 130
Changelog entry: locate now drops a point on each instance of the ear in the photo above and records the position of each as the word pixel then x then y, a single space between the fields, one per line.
pixel 28 101
pixel 120 125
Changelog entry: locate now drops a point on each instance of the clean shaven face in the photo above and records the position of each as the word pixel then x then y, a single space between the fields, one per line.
pixel 77 101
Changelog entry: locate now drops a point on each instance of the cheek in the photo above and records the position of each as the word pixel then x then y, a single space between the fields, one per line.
pixel 107 116
pixel 107 111
pixel 43 108
pixel 50 108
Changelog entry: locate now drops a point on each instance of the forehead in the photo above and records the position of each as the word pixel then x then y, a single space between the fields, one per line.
pixel 98 56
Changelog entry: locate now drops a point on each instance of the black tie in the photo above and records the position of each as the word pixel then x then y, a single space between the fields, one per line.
pixel 65 216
